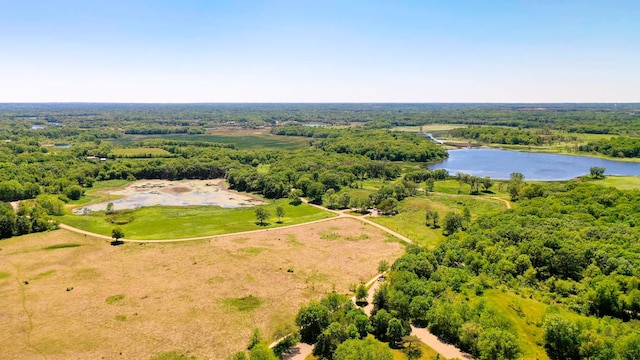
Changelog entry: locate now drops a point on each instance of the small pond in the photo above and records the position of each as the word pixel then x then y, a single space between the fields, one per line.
pixel 173 193
pixel 499 164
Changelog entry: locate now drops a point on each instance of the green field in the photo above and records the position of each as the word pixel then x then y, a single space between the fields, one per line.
pixel 160 222
pixel 141 152
pixel 620 182
pixel 241 139
pixel 410 221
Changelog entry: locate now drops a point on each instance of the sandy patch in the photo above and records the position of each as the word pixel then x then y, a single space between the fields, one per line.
pixel 174 193
pixel 173 294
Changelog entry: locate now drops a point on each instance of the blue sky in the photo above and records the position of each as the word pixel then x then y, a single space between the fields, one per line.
pixel 320 51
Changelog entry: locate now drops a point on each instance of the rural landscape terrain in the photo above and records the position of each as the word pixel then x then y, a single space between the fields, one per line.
pixel 319 231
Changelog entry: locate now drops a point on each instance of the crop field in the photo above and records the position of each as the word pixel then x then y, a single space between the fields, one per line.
pixel 70 296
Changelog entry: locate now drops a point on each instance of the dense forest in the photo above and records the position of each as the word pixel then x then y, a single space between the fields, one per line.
pixel 621 147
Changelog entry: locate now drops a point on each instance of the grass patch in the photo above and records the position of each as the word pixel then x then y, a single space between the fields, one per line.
pixel 44 274
pixel 114 299
pixel 245 303
pixel 252 250
pixel 173 355
pixel 121 317
pixel 357 238
pixel 141 152
pixel 329 235
pixel 4 275
pixel 163 222
pixel 61 246
pixel 410 221
pixel 619 182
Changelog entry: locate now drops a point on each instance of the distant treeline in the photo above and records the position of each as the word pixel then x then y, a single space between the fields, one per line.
pixel 620 119
pixel 622 147
pixel 502 135
pixel 374 144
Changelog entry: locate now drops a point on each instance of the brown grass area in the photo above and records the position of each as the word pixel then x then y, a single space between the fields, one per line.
pixel 176 296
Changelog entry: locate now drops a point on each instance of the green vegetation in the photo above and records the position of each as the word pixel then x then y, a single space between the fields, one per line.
pixel 61 246
pixel 4 275
pixel 245 303
pixel 491 286
pixel 140 152
pixel 184 222
pixel 113 299
pixel 173 355
pixel 619 182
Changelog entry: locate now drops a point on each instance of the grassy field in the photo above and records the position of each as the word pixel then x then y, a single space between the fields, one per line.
pixel 141 152
pixel 244 139
pixel 199 298
pixel 620 182
pixel 410 221
pixel 160 222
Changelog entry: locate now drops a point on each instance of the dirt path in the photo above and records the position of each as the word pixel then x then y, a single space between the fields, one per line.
pixel 447 350
pixel 506 202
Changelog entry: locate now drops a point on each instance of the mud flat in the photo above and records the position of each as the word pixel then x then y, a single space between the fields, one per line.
pixel 174 193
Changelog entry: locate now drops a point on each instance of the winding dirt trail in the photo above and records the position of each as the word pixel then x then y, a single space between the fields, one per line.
pixel 506 202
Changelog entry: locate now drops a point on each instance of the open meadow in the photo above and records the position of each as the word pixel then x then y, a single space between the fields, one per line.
pixel 70 296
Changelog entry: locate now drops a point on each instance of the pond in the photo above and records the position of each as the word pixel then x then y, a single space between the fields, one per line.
pixel 499 164
pixel 174 193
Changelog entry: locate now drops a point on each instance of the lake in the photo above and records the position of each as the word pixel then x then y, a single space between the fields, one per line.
pixel 499 164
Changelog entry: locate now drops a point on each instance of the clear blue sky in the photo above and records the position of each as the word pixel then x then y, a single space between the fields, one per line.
pixel 320 51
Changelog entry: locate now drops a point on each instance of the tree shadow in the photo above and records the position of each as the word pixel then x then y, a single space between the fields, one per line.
pixel 116 242
pixel 263 224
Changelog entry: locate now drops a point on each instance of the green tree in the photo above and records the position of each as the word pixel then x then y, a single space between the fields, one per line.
pixel 453 222
pixel 361 294
pixel 430 184
pixel 497 344
pixel 388 206
pixel 74 192
pixel 366 349
pixel 380 323
pixel 344 200
pixel 412 347
pixel 117 234
pixel 262 214
pixel 329 340
pixel 312 320
pixel 561 338
pixel 395 332
pixel 294 197
pixel 262 352
pixel 597 172
pixel 315 192
pixel 516 183
pixel 279 213
pixel 383 266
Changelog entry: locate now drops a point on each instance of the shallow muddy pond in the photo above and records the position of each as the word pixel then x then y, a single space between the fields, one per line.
pixel 173 193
